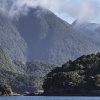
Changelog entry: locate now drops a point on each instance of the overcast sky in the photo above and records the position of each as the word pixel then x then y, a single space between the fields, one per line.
pixel 84 10
pixel 69 10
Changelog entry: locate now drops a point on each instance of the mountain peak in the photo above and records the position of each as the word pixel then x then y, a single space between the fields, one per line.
pixel 41 35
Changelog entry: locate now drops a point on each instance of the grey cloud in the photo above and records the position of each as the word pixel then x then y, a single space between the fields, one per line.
pixel 80 9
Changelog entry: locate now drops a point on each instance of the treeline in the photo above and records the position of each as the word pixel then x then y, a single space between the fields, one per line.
pixel 81 76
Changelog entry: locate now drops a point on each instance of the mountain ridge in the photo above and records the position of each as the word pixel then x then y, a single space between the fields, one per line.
pixel 41 35
pixel 88 29
pixel 51 38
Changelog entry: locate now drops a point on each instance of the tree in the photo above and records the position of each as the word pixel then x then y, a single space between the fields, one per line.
pixel 5 89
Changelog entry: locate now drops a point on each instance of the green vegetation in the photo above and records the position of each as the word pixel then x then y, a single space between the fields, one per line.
pixel 81 76
pixel 5 89
pixel 6 62
pixel 23 77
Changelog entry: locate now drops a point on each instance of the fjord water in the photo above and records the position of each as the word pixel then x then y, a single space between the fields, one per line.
pixel 48 98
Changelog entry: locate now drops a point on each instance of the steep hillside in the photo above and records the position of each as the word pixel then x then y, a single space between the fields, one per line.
pixel 32 76
pixel 23 77
pixel 6 62
pixel 8 70
pixel 51 39
pixel 41 35
pixel 11 40
pixel 39 69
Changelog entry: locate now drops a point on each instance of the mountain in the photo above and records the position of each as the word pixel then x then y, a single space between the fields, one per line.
pixel 79 77
pixel 90 30
pixel 38 70
pixel 33 41
pixel 23 77
pixel 50 38
pixel 41 35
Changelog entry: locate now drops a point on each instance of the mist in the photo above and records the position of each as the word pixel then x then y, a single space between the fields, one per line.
pixel 83 10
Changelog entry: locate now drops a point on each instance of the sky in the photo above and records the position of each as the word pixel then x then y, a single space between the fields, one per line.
pixel 84 10
pixel 69 10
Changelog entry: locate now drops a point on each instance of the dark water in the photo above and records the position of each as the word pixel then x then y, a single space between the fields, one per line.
pixel 48 98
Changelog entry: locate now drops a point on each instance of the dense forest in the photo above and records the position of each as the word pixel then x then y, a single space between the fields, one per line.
pixel 78 77
pixel 23 77
pixel 32 42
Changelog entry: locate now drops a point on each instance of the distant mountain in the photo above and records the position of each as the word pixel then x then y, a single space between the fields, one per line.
pixel 91 30
pixel 41 35
pixel 51 39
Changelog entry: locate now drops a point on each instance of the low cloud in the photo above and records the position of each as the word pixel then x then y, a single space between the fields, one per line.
pixel 80 9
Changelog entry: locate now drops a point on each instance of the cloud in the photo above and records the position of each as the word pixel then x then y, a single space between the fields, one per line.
pixel 81 9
